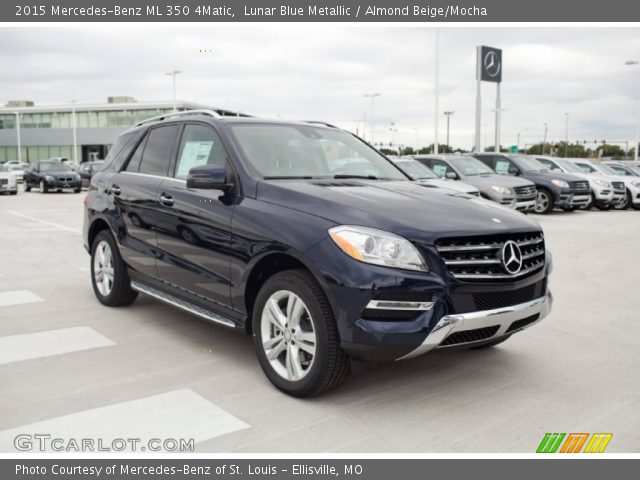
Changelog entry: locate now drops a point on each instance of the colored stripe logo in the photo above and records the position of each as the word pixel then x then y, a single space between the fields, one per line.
pixel 573 443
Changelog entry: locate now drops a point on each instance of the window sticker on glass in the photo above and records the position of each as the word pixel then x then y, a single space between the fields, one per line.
pixel 440 170
pixel 193 154
pixel 502 166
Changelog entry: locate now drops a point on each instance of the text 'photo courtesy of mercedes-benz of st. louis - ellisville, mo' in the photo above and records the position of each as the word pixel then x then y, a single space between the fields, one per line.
pixel 316 238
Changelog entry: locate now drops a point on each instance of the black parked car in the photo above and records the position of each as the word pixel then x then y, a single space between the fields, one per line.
pixel 51 175
pixel 554 189
pixel 310 240
pixel 87 169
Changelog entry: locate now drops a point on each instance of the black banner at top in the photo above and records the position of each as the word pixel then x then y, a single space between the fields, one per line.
pixel 317 11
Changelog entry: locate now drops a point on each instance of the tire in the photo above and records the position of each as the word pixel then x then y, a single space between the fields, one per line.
pixel 77 190
pixel 624 204
pixel 544 201
pixel 119 293
pixel 569 209
pixel 328 367
pixel 14 193
pixel 27 188
pixel 43 187
pixel 604 207
pixel 492 343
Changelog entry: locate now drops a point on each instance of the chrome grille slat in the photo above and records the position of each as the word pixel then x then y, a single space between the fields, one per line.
pixel 479 258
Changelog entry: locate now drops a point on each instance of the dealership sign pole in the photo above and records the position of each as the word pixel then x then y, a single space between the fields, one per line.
pixel 488 69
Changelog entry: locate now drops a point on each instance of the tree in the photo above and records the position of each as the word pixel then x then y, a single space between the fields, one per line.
pixel 610 151
pixel 408 151
pixel 492 148
pixel 441 149
pixel 388 151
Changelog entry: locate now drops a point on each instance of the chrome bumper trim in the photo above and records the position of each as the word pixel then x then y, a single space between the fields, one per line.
pixel 581 200
pixel 525 204
pixel 502 317
pixel 394 305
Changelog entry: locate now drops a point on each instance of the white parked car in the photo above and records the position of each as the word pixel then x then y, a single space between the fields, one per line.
pixel 620 184
pixel 630 173
pixel 8 180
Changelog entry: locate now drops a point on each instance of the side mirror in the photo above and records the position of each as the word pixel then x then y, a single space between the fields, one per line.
pixel 514 171
pixel 451 175
pixel 210 177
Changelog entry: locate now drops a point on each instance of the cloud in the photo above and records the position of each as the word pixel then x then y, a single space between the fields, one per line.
pixel 323 71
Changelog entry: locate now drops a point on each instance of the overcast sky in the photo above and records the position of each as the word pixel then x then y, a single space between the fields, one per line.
pixel 322 72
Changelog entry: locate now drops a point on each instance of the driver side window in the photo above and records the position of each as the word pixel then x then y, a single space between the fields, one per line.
pixel 503 166
pixel 441 168
pixel 199 145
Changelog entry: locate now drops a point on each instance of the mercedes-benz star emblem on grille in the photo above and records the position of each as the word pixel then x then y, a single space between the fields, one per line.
pixel 511 257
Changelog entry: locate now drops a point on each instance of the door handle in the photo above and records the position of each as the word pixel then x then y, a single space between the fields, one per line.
pixel 166 200
pixel 115 189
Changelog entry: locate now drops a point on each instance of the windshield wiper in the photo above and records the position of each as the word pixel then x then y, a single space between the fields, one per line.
pixel 290 177
pixel 364 177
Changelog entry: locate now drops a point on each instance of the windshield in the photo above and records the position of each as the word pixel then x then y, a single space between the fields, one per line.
pixel 415 169
pixel 608 170
pixel 528 164
pixel 300 151
pixel 633 169
pixel 470 166
pixel 568 166
pixel 54 167
pixel 4 168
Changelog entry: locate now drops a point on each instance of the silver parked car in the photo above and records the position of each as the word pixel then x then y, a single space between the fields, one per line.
pixel 597 170
pixel 630 173
pixel 512 192
pixel 422 174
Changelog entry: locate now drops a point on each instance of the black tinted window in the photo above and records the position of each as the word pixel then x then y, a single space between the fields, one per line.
pixel 157 152
pixel 134 163
pixel 200 145
pixel 120 149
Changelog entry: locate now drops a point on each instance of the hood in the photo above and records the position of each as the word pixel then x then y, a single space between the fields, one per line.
pixel 490 179
pixel 548 176
pixel 449 184
pixel 62 173
pixel 404 208
pixel 7 175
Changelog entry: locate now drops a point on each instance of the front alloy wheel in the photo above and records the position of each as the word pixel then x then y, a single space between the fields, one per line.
pixel 288 335
pixel 103 268
pixel 109 277
pixel 544 202
pixel 296 337
pixel 624 203
pixel 43 187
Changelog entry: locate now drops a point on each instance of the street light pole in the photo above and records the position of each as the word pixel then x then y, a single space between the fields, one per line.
pixel 393 130
pixel 635 147
pixel 19 138
pixel 448 114
pixel 437 93
pixel 544 141
pixel 372 96
pixel 173 74
pixel 518 140
pixel 566 134
pixel 417 129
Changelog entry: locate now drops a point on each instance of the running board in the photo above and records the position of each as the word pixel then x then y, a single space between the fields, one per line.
pixel 182 304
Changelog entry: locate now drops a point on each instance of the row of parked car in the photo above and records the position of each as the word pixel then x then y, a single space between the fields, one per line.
pixel 55 174
pixel 531 184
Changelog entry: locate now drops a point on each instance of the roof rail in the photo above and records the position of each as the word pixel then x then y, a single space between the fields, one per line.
pixel 218 113
pixel 318 122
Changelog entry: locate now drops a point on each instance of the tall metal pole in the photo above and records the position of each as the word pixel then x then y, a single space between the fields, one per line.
pixel 448 114
pixel 19 137
pixel 498 113
pixel 544 141
pixel 73 126
pixel 436 94
pixel 476 145
pixel 372 96
pixel 566 134
pixel 173 74
pixel 637 142
pixel 417 129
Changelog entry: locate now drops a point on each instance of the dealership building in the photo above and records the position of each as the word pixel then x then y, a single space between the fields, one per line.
pixel 79 132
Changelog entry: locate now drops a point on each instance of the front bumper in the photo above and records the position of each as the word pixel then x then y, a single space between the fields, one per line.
pixel 57 185
pixel 581 200
pixel 525 205
pixel 501 321
pixel 8 187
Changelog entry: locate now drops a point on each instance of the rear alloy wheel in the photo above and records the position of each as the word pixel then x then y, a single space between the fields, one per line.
pixel 624 203
pixel 544 201
pixel 43 187
pixel 109 277
pixel 295 336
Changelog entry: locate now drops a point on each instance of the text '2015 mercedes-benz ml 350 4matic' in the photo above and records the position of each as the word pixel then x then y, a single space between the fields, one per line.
pixel 310 240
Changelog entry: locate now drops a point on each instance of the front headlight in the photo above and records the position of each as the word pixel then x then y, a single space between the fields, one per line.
pixel 502 190
pixel 377 247
pixel 635 183
pixel 49 178
pixel 560 183
pixel 601 183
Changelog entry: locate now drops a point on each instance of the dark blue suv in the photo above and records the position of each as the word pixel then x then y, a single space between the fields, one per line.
pixel 310 240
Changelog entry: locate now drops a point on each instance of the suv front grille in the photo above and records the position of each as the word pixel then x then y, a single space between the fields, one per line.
pixel 618 187
pixel 581 186
pixel 518 324
pixel 65 179
pixel 526 191
pixel 4 181
pixel 465 301
pixel 479 259
pixel 468 336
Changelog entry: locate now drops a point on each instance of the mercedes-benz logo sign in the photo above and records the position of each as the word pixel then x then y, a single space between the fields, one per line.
pixel 511 257
pixel 492 64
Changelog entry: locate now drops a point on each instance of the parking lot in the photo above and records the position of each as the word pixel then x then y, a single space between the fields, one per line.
pixel 69 366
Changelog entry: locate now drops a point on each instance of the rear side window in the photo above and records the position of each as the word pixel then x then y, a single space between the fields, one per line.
pixel 200 145
pixel 134 162
pixel 120 150
pixel 158 149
